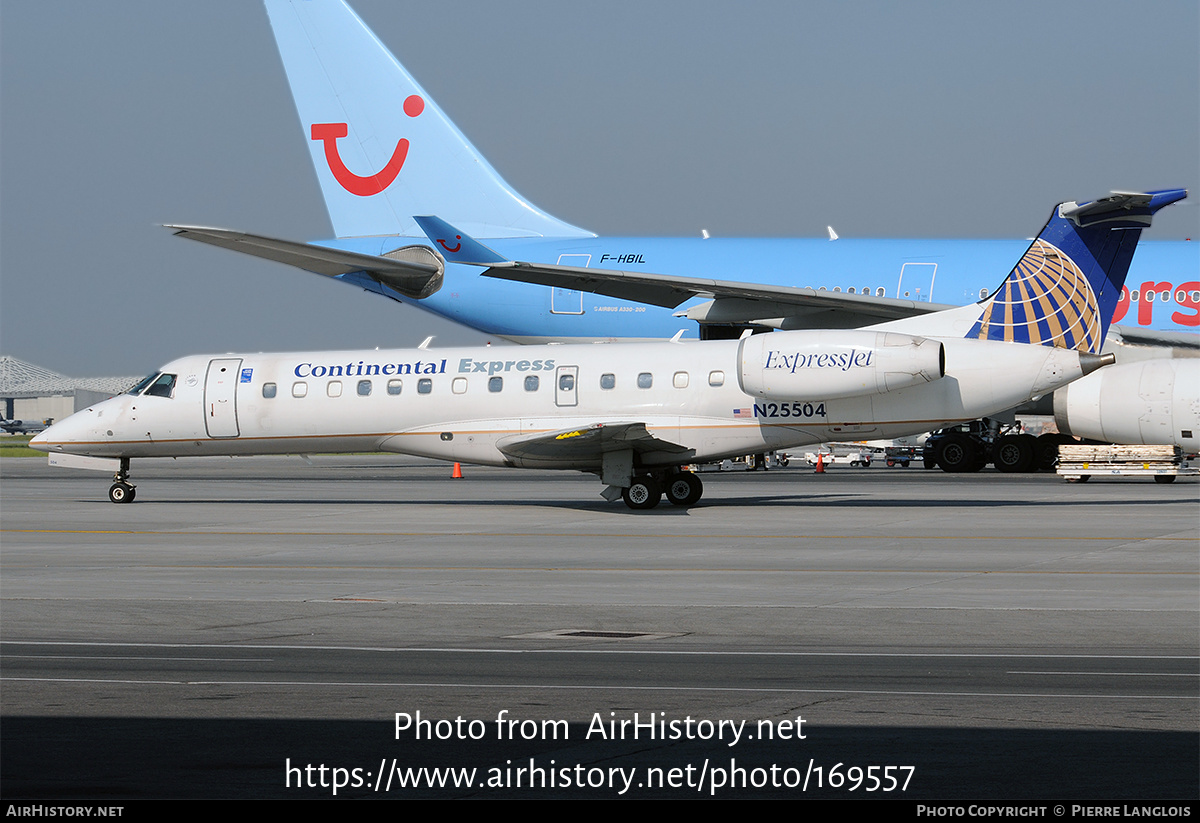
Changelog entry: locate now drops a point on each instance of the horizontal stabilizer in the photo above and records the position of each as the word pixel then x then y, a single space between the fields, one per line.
pixel 1133 208
pixel 413 271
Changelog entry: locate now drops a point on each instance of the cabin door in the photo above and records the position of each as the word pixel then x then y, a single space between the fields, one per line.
pixel 916 282
pixel 569 301
pixel 220 397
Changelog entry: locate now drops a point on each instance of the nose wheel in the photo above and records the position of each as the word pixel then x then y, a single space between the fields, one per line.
pixel 122 491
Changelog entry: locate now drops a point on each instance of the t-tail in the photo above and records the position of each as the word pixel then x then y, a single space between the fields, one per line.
pixel 1064 290
pixel 382 148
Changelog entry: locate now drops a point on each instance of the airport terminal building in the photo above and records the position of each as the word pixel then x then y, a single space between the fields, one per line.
pixel 31 392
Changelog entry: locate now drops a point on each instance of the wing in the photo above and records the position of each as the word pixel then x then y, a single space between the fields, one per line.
pixel 729 301
pixel 584 448
pixel 1138 336
pixel 413 271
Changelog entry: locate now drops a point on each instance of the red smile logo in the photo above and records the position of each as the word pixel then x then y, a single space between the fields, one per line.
pixel 374 183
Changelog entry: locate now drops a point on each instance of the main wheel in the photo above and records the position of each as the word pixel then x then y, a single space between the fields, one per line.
pixel 684 489
pixel 121 493
pixel 643 493
pixel 1164 478
pixel 1046 452
pixel 1013 454
pixel 957 454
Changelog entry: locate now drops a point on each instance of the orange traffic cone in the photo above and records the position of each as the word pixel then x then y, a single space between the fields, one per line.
pixel 820 464
pixel 457 473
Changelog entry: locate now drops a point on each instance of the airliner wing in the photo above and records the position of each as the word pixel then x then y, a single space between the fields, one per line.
pixel 730 301
pixel 1156 337
pixel 585 447
pixel 414 271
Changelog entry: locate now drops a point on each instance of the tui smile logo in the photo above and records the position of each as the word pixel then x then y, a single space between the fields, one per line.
pixel 328 133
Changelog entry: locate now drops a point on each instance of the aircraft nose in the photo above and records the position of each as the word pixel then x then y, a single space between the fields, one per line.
pixel 40 441
pixel 61 435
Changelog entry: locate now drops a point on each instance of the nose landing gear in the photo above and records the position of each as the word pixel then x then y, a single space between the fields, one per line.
pixel 122 491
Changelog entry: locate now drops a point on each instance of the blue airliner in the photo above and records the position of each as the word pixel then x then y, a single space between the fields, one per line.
pixel 386 155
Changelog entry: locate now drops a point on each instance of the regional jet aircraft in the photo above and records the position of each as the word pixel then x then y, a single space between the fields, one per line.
pixel 636 413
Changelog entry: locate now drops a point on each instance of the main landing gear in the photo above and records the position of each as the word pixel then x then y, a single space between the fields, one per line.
pixel 122 491
pixel 682 488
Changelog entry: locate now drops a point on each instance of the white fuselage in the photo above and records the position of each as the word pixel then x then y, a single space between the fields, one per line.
pixel 459 404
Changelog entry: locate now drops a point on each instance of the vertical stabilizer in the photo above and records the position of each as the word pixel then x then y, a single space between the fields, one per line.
pixel 383 150
pixel 1065 288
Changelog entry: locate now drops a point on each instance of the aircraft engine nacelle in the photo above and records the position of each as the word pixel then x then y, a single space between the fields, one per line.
pixel 804 365
pixel 1147 402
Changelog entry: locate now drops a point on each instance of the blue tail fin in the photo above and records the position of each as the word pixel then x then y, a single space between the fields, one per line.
pixel 1064 290
pixel 383 150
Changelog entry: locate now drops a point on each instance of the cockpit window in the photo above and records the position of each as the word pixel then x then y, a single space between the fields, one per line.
pixel 164 386
pixel 156 385
pixel 142 384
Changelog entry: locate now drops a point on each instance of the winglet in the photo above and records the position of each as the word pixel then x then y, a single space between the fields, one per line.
pixel 457 246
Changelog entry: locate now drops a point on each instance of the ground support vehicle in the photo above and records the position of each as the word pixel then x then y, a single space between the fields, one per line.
pixel 1078 463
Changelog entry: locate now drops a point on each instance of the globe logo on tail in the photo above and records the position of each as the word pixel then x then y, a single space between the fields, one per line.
pixel 1046 300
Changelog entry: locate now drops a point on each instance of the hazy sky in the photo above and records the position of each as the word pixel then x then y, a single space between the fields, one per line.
pixel 937 119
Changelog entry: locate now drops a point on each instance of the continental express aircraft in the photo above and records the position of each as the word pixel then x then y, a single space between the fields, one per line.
pixel 636 413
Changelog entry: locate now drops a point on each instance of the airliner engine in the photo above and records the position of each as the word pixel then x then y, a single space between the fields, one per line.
pixel 1147 402
pixel 803 365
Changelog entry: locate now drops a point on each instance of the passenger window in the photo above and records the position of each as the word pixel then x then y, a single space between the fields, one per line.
pixel 716 378
pixel 394 386
pixel 608 381
pixel 424 385
pixel 164 386
pixel 269 389
pixel 459 385
pixel 645 380
pixel 334 388
pixel 880 292
pixel 364 388
pixel 531 383
pixel 982 293
pixel 680 381
pixel 566 382
pixel 495 384
pixel 299 389
pixel 850 290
